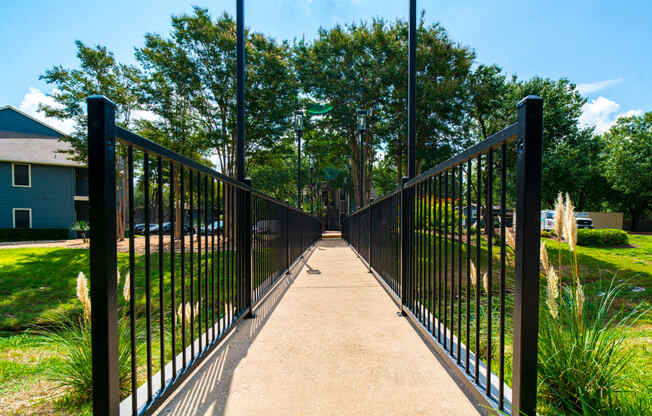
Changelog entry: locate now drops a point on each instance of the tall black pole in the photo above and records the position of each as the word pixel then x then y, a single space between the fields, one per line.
pixel 360 204
pixel 240 50
pixel 299 134
pixel 412 90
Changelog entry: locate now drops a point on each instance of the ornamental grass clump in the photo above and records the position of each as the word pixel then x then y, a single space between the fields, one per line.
pixel 72 336
pixel 583 367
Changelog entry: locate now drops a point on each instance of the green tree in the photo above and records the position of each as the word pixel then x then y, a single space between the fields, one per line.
pixel 364 66
pixel 628 164
pixel 98 73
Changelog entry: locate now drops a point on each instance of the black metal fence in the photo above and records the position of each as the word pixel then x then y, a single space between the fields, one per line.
pixel 451 253
pixel 216 248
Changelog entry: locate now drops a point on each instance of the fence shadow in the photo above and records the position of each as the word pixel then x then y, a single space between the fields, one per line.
pixel 206 391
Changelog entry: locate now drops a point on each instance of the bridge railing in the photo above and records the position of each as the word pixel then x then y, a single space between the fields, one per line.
pixel 458 249
pixel 211 249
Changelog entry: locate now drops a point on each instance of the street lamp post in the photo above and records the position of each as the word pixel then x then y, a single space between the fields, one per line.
pixel 298 128
pixel 362 126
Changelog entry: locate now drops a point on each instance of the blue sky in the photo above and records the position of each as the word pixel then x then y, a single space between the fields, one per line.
pixel 603 46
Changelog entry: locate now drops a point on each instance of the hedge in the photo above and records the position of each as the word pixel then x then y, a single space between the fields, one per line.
pixel 33 234
pixel 601 237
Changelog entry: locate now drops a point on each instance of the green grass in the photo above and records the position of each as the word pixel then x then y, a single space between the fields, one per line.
pixel 38 284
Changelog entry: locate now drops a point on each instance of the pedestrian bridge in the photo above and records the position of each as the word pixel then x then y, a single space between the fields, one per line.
pixel 327 343
pixel 241 305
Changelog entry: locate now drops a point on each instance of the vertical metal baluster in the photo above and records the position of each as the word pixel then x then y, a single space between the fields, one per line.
pixel 213 233
pixel 445 258
pixel 182 202
pixel 503 196
pixel 424 253
pixel 148 292
pixel 132 281
pixel 452 281
pixel 206 257
pixel 227 252
pixel 478 244
pixel 173 292
pixel 192 266
pixel 440 256
pixel 220 257
pixel 460 210
pixel 161 256
pixel 429 256
pixel 468 263
pixel 417 256
pixel 490 257
pixel 232 271
pixel 199 260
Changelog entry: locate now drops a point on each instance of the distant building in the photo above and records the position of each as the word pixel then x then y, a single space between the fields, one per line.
pixel 40 187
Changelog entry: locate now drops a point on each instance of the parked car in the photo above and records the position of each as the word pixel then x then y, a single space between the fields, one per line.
pixel 140 228
pixel 216 227
pixel 186 228
pixel 584 222
pixel 548 220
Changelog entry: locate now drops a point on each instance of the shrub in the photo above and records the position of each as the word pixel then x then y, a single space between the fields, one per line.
pixel 33 234
pixel 582 363
pixel 601 238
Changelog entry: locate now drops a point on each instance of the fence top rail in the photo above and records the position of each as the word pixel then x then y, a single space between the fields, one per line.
pixel 507 134
pixel 376 202
pixel 132 139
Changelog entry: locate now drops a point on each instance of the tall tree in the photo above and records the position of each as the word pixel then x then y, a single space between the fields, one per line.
pixel 364 66
pixel 628 164
pixel 98 73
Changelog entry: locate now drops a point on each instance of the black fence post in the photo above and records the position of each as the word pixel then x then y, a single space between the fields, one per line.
pixel 247 259
pixel 371 223
pixel 103 257
pixel 288 257
pixel 405 240
pixel 528 235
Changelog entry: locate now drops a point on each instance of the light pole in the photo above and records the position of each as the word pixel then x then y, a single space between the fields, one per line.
pixel 298 128
pixel 362 126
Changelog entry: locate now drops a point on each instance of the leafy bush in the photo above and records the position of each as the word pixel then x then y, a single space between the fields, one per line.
pixel 33 234
pixel 548 234
pixel 601 238
pixel 428 215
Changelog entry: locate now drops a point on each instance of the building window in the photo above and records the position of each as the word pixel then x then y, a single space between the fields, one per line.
pixel 21 175
pixel 22 218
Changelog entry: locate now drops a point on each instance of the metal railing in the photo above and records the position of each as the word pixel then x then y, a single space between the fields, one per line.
pixel 211 249
pixel 442 244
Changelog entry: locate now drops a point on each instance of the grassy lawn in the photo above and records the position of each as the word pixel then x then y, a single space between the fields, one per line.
pixel 38 284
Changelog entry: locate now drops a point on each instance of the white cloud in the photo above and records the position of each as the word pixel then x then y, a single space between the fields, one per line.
pixel 592 87
pixel 144 115
pixel 30 105
pixel 602 113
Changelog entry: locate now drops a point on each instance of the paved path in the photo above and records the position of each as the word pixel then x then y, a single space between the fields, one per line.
pixel 323 344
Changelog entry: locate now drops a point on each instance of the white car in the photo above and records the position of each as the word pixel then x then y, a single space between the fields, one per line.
pixel 548 220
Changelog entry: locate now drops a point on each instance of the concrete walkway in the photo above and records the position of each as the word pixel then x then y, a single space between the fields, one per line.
pixel 323 344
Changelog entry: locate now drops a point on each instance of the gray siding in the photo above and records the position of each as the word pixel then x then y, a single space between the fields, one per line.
pixel 50 197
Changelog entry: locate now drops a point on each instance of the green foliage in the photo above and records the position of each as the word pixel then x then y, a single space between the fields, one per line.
pixel 33 234
pixel 583 367
pixel 628 163
pixel 98 73
pixel 601 238
pixel 72 336
pixel 429 213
